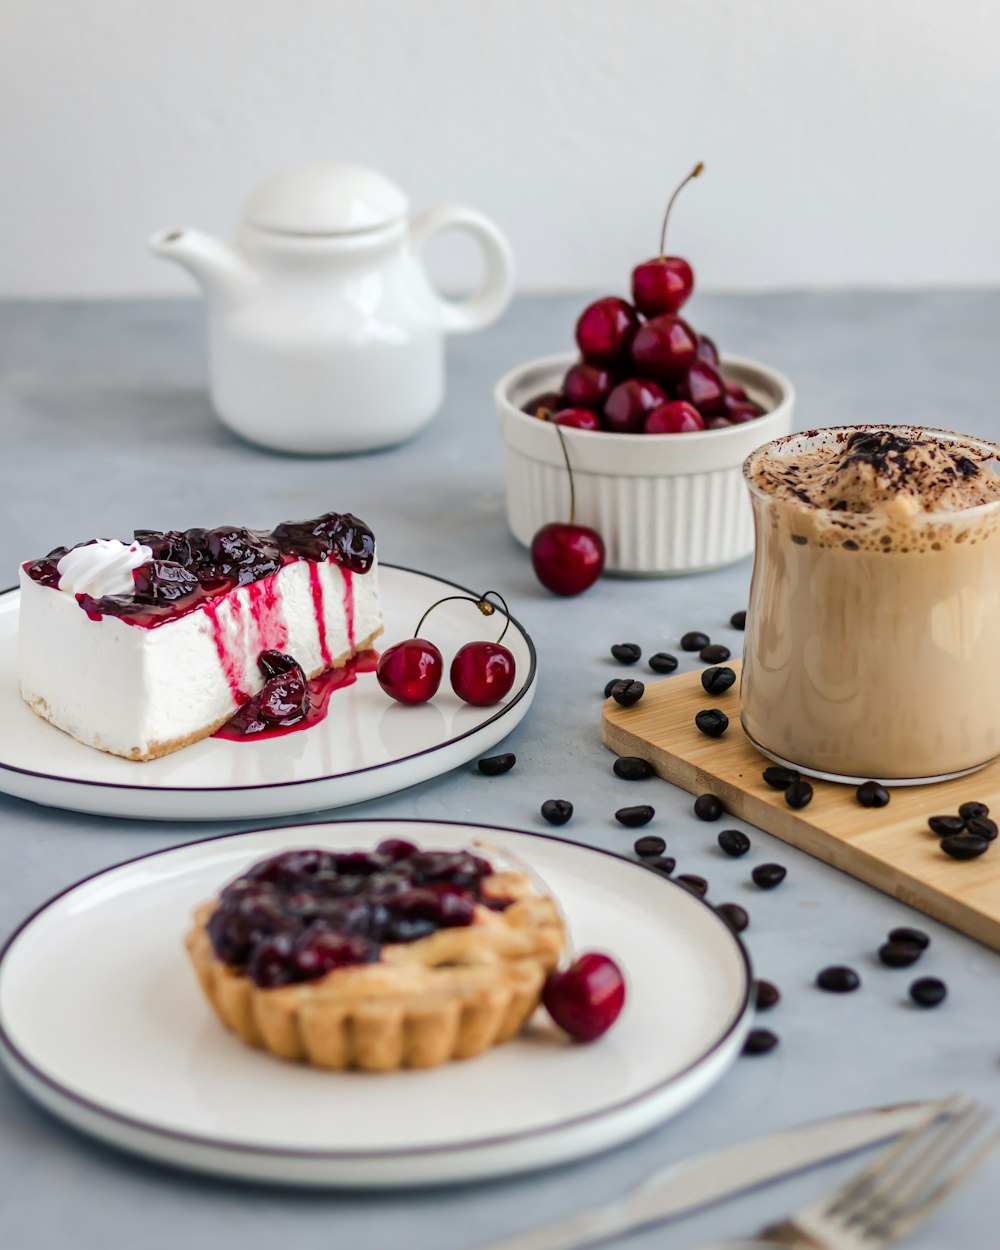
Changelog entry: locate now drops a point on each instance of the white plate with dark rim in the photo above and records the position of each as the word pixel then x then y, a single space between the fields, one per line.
pixel 153 1072
pixel 366 747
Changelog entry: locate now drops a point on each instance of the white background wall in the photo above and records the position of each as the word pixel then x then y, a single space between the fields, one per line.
pixel 847 142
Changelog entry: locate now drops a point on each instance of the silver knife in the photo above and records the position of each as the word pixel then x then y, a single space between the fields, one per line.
pixel 708 1178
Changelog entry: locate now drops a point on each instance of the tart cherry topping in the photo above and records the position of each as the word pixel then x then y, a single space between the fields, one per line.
pixel 303 913
pixel 662 285
pixel 586 998
pixel 567 558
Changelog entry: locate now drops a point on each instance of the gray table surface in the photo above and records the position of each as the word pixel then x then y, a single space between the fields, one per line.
pixel 106 426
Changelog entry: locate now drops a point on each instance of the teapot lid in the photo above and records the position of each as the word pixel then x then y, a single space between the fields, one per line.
pixel 325 197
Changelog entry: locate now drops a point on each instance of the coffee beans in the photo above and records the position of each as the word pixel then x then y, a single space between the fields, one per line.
pixel 899 954
pixel 871 794
pixel 714 653
pixel 557 811
pixel 779 778
pixel 632 768
pixel 799 794
pixel 718 680
pixel 759 1042
pixel 738 620
pixel 628 693
pixel 768 876
pixel 766 995
pixel 627 652
pixel 494 765
pixel 916 937
pixel 734 915
pixel 945 825
pixel 609 688
pixel 712 722
pixel 662 863
pixel 838 980
pixel 981 827
pixel 708 807
pixel 694 641
pixel 734 843
pixel 633 817
pixel 971 811
pixel 690 881
pixel 963 845
pixel 663 662
pixel 928 991
pixel 649 845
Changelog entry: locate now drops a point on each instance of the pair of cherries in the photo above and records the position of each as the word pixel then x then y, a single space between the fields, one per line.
pixel 482 673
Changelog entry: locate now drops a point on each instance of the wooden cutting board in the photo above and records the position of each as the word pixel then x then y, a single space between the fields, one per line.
pixel 890 848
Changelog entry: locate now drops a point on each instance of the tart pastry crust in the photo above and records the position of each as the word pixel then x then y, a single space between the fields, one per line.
pixel 450 995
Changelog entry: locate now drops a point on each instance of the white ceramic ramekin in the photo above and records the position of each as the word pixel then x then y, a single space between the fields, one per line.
pixel 663 503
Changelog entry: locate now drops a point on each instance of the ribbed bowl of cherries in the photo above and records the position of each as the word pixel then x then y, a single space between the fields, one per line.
pixel 655 424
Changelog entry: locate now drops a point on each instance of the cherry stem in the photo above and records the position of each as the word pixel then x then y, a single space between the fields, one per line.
pixel 670 203
pixel 538 883
pixel 572 487
pixel 482 603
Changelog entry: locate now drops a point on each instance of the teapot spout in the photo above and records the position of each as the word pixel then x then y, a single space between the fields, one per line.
pixel 219 268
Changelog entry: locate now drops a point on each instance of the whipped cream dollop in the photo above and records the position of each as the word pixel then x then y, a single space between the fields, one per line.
pixel 101 568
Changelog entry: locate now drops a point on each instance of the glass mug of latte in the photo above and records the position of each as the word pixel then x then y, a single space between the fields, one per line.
pixel 873 631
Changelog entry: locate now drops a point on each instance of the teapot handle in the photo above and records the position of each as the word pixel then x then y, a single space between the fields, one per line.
pixel 485 305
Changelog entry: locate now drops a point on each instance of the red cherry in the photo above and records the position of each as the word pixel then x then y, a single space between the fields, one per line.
pixel 482 673
pixel 733 390
pixel 703 386
pixel 739 411
pixel 675 417
pixel 664 347
pixel 707 351
pixel 578 419
pixel 410 671
pixel 542 406
pixel 586 998
pixel 605 330
pixel 717 423
pixel 587 386
pixel 626 407
pixel 661 285
pixel 567 559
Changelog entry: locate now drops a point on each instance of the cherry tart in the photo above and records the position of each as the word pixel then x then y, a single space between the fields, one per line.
pixel 378 960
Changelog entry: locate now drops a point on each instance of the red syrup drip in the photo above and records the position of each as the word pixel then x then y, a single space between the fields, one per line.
pixel 231 667
pixel 319 611
pixel 349 605
pixel 246 725
pixel 265 609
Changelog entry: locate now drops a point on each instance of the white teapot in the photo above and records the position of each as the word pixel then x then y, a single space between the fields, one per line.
pixel 325 334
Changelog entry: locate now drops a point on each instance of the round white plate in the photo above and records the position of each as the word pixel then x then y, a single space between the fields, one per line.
pixel 367 746
pixel 102 1021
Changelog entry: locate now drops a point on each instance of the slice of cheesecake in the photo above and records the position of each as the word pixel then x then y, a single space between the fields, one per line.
pixel 140 649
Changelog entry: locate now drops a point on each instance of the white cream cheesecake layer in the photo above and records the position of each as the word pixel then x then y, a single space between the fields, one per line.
pixel 143 692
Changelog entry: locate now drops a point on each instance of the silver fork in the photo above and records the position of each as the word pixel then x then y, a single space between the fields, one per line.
pixel 896 1193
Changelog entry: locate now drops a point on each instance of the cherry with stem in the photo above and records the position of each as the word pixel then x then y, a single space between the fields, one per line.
pixel 567 558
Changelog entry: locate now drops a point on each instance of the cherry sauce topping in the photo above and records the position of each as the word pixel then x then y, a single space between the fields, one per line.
pixel 190 567
pixel 298 915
